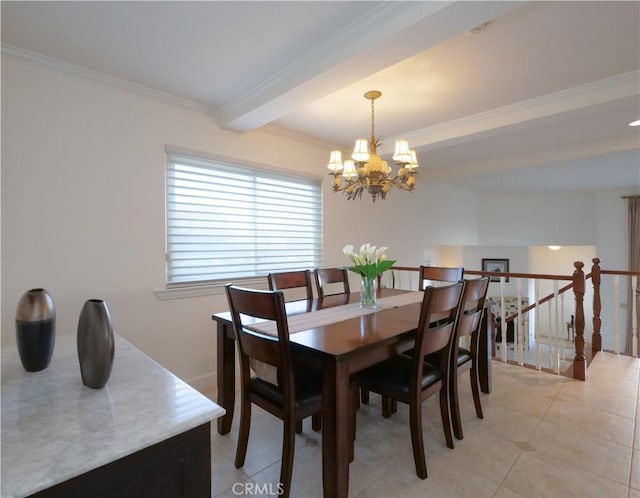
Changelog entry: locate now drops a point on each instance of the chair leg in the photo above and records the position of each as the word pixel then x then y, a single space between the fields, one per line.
pixel 417 442
pixel 446 418
pixel 454 408
pixel 243 432
pixel 288 448
pixel 364 396
pixel 387 406
pixel 299 427
pixel 316 422
pixel 475 389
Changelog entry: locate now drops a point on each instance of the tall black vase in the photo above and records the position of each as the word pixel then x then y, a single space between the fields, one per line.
pixel 35 329
pixel 95 343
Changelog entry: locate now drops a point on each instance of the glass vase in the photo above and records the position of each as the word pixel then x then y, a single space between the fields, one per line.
pixel 368 292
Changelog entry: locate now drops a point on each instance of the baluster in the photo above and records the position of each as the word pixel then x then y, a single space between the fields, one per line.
pixel 503 321
pixel 562 324
pixel 634 316
pixel 537 321
pixel 556 335
pixel 616 314
pixel 580 361
pixel 550 333
pixel 518 333
pixel 596 337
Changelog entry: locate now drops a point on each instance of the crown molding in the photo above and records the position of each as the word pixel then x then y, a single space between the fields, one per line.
pixel 464 129
pixel 83 72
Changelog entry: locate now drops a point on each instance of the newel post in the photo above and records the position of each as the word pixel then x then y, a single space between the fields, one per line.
pixel 596 337
pixel 580 361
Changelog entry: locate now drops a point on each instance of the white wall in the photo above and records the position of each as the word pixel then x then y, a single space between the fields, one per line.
pixel 534 218
pixel 83 207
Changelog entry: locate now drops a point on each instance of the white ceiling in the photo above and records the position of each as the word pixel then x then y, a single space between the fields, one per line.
pixel 538 98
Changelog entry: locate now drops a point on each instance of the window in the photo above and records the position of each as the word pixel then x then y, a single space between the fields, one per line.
pixel 228 221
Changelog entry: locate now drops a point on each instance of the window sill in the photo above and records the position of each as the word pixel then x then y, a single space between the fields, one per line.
pixel 211 289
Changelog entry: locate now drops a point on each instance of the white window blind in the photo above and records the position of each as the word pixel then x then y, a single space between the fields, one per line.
pixel 227 221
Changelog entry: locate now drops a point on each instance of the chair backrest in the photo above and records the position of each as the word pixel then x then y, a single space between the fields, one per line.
pixel 436 327
pixel 247 306
pixel 440 274
pixel 473 299
pixel 327 276
pixel 292 280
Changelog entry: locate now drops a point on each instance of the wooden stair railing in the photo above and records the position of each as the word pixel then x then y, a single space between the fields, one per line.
pixel 577 282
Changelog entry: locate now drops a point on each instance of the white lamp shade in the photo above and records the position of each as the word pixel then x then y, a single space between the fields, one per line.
pixel 361 150
pixel 349 169
pixel 335 161
pixel 414 160
pixel 385 168
pixel 402 154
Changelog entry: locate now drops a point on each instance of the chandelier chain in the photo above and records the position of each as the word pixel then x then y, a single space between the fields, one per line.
pixel 372 141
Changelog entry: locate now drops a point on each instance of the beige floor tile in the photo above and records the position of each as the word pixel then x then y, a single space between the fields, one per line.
pixel 534 404
pixel 600 456
pixel 505 422
pixel 634 493
pixel 634 480
pixel 485 452
pixel 444 480
pixel 601 424
pixel 307 474
pixel 596 399
pixel 224 474
pixel 540 475
pixel 504 492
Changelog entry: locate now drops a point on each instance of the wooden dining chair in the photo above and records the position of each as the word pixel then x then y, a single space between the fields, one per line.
pixel 327 277
pixel 409 379
pixel 297 393
pixel 468 325
pixel 300 279
pixel 440 274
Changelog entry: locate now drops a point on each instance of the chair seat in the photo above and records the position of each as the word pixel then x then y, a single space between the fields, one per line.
pixel 464 355
pixel 391 377
pixel 308 390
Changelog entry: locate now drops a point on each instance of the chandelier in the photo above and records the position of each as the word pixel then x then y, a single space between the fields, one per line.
pixel 366 171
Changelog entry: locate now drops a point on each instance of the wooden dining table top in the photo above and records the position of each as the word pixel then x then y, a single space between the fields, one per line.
pixel 344 336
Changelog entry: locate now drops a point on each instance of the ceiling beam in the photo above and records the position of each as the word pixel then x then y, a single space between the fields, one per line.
pixel 510 117
pixel 389 33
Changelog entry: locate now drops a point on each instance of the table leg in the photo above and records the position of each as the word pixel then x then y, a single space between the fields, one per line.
pixel 226 373
pixel 336 433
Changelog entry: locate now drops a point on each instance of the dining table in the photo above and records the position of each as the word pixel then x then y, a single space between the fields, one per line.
pixel 339 338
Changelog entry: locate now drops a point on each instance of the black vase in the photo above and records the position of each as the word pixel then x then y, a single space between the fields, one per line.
pixel 95 343
pixel 35 329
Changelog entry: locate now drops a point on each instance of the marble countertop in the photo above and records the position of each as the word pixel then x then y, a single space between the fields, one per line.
pixel 55 428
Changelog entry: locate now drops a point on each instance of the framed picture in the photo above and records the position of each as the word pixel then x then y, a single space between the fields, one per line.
pixel 496 265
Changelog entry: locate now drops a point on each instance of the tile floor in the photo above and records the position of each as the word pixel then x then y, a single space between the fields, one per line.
pixel 542 436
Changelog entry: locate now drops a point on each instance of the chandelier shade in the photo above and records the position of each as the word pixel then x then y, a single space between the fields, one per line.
pixel 366 171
